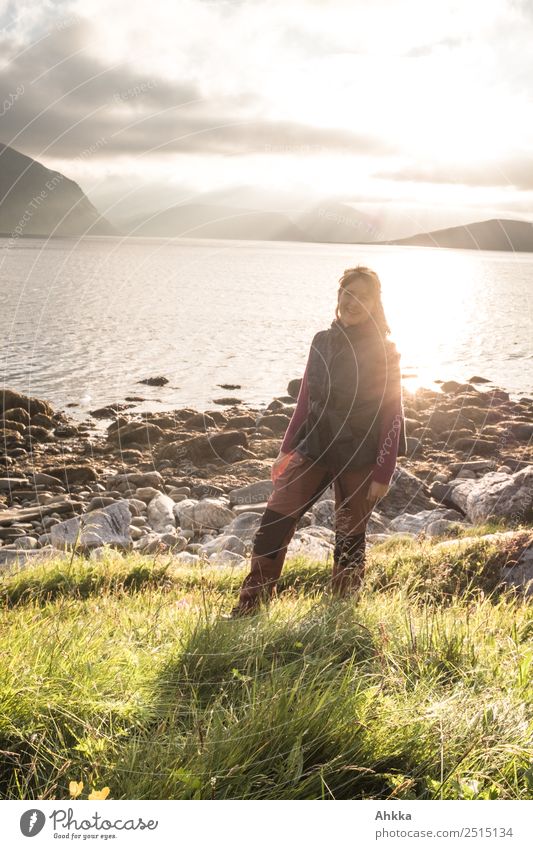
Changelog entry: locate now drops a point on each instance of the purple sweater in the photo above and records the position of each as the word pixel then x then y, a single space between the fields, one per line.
pixel 389 432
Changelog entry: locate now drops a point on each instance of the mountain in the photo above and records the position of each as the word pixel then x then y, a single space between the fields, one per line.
pixel 209 221
pixel 331 221
pixel 35 201
pixel 497 234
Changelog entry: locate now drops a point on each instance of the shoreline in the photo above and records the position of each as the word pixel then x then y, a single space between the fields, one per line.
pixel 195 483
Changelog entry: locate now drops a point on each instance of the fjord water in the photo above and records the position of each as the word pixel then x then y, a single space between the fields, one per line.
pixel 82 321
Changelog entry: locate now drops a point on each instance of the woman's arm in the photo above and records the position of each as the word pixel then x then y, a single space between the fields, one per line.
pixel 391 421
pixel 299 415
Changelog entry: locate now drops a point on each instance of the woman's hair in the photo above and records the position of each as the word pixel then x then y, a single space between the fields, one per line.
pixel 361 272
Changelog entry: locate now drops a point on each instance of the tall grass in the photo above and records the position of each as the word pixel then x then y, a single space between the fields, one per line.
pixel 122 673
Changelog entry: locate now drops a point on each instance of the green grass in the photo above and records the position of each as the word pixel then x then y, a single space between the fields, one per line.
pixel 121 673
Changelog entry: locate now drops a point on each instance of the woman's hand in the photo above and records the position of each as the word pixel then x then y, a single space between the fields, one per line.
pixel 376 491
pixel 277 462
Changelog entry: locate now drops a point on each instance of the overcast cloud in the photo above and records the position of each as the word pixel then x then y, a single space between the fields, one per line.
pixel 397 102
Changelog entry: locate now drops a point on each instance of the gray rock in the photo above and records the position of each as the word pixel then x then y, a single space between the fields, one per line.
pixel 137 507
pixel 11 557
pixel 146 494
pixel 252 493
pixel 208 514
pixel 160 513
pixel 496 495
pixel 441 527
pixel 407 494
pixel 61 504
pixel 225 542
pixel 307 545
pixel 136 479
pixel 323 512
pixel 187 559
pixel 417 523
pixel 26 542
pixel 244 526
pixel 108 526
pixel 520 575
pixel 226 558
pixel 7 484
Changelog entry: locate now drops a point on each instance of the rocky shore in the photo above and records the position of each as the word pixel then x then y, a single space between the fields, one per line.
pixel 194 484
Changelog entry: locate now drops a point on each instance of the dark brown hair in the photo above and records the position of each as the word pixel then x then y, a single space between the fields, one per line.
pixel 361 272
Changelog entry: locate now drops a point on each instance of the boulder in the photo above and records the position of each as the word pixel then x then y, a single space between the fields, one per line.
pixel 160 513
pixel 417 523
pixel 225 542
pixel 252 493
pixel 108 526
pixel 80 473
pixel 202 449
pixel 10 400
pixel 497 495
pixel 407 494
pixel 210 513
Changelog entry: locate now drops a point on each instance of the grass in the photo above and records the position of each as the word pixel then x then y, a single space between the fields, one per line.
pixel 121 673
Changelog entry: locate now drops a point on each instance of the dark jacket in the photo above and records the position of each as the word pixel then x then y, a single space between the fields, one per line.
pixel 353 374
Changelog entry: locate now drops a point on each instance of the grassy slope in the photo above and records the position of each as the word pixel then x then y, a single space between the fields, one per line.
pixel 121 673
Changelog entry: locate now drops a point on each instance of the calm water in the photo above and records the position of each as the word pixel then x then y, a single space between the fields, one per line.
pixel 83 321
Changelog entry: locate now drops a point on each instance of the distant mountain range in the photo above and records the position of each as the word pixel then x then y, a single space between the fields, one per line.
pixel 497 234
pixel 208 221
pixel 37 201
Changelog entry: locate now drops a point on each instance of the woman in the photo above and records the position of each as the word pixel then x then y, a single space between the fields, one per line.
pixel 347 429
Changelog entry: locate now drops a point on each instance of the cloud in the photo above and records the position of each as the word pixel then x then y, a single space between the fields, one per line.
pixel 70 99
pixel 509 172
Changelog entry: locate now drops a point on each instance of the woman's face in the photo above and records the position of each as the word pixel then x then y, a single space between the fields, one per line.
pixel 356 302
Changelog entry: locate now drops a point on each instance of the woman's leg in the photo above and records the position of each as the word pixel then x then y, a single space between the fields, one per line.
pixel 295 491
pixel 352 513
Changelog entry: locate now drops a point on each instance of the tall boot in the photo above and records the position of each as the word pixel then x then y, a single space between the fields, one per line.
pixel 349 561
pixel 268 555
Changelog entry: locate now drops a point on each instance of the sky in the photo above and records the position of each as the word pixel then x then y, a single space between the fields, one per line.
pixel 419 113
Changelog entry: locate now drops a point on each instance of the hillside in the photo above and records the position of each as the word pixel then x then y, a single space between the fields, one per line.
pixel 210 221
pixel 497 234
pixel 35 201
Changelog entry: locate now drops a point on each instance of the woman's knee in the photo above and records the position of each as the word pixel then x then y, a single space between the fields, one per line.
pixel 273 533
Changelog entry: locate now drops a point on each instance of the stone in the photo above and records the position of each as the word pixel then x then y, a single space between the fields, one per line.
pixel 407 493
pixel 225 542
pixel 252 493
pixel 135 433
pixel 10 400
pixel 80 473
pixel 244 526
pixel 61 504
pixel 99 501
pixel 26 542
pixel 186 558
pixel 496 495
pixel 7 484
pixel 17 414
pixel 441 527
pixel 160 513
pixel 210 513
pixel 21 557
pixel 201 449
pixel 416 523
pixel 226 558
pixel 307 545
pixel 46 480
pixel 154 381
pixel 146 494
pixel 135 480
pixel 108 526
